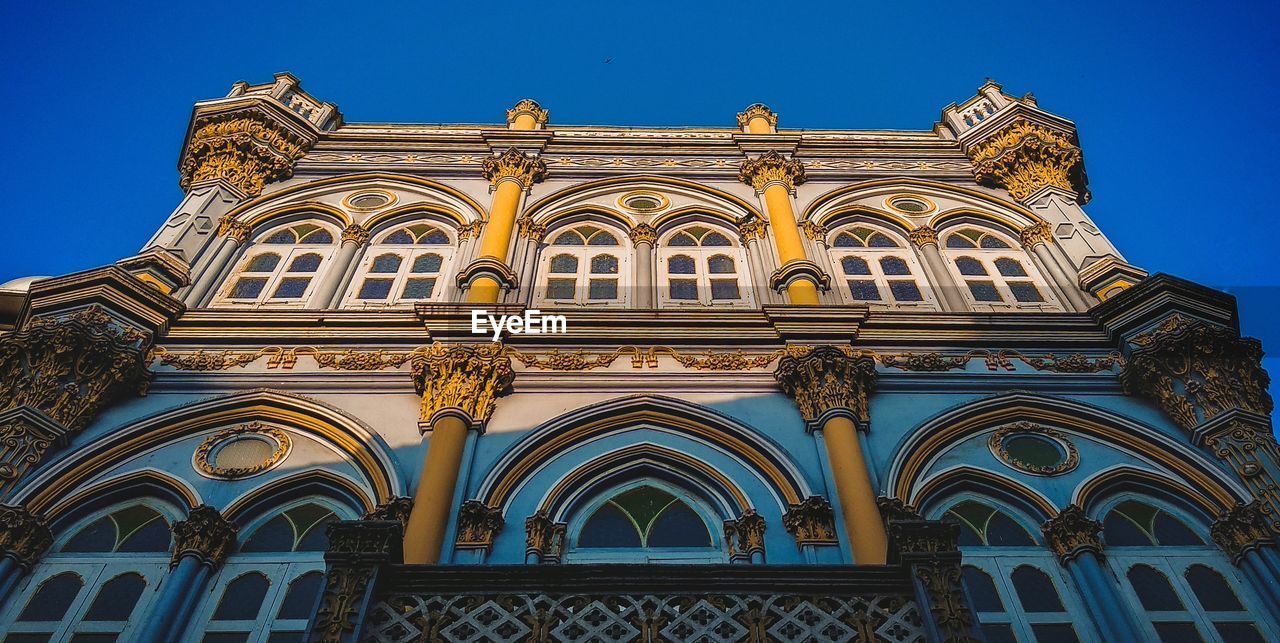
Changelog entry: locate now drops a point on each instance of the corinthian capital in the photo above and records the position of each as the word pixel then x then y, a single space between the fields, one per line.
pixel 1241 529
pixel 236 230
pixel 478 525
pixel 465 379
pixel 206 535
pixel 513 165
pixel 643 233
pixel 528 107
pixel 923 236
pixel 356 234
pixel 245 149
pixel 769 168
pixel 745 536
pixel 1024 157
pixel 811 522
pixel 827 381
pixel 1071 533
pixel 24 537
pixel 544 537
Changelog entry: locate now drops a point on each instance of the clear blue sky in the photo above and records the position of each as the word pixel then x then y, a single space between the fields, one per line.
pixel 1175 101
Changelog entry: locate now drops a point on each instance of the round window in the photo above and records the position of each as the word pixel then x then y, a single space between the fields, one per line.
pixel 911 204
pixel 1032 448
pixel 369 200
pixel 241 451
pixel 644 201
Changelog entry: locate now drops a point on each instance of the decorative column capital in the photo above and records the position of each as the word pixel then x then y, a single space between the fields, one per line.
pixel 24 537
pixel 1071 533
pixel 1241 530
pixel 478 525
pixel 514 165
pixel 916 537
pixel 462 379
pixel 827 381
pixel 772 168
pixel 1038 232
pixel 247 150
pixel 395 509
pixel 356 234
pixel 530 229
pixel 358 550
pixel 237 231
pixel 811 522
pixel 471 230
pixel 544 537
pixel 814 230
pixel 923 236
pixel 204 535
pixel 751 229
pixel 1195 371
pixel 528 107
pixel 893 509
pixel 757 110
pixel 745 536
pixel 643 233
pixel 1024 157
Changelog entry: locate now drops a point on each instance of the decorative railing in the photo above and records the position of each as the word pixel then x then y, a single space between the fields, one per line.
pixel 643 603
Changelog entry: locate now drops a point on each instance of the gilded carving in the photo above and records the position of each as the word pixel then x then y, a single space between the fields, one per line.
pixel 469 378
pixel 25 436
pixel 355 234
pixel 997 445
pixel 928 362
pixel 745 536
pixel 70 367
pixel 530 107
pixel 826 379
pixel 204 360
pixel 1071 533
pixel 811 522
pixel 643 233
pixel 244 431
pixel 1077 363
pixel 1242 529
pixel 1025 157
pixel 478 524
pixel 544 537
pixel 472 230
pixel 514 165
pixel 751 230
pixel 554 360
pixel 395 509
pixel 814 230
pixel 1249 447
pixel 24 537
pixel 247 151
pixel 894 509
pixel 351 360
pixel 204 535
pixel 923 236
pixel 529 229
pixel 770 168
pixel 238 231
pixel 1038 232
pixel 757 110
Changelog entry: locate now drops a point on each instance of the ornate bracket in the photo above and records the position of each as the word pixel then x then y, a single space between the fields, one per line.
pixel 1241 530
pixel 248 150
pixel 395 509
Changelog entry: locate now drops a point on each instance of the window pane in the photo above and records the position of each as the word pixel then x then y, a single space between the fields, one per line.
pixel 562 264
pixel 970 266
pixel 1025 291
pixel 399 237
pixel 142 529
pixel 725 289
pixel 435 237
pixel 684 289
pixel 682 239
pixel 1178 633
pixel 283 236
pixel 99 536
pixel 982 590
pixel 116 599
pixel 1002 531
pixel 291 287
pixel 681 265
pixel 602 238
pixel 18 637
pixel 1212 590
pixel 1153 589
pixel 1035 590
pixel 427 263
pixel 1054 633
pixel 1119 531
pixel 602 289
pixel 846 240
pixel 568 238
pixel 375 289
pixel 855 266
pixel 1170 531
pixel 958 241
pixel 386 263
pixel 560 288
pixel 306 263
pixel 721 265
pixel 984 291
pixel 609 527
pixel 905 291
pixel 715 239
pixel 999 633
pixel 285 637
pixel 679 526
pixel 989 241
pixel 604 265
pixel 418 288
pixel 51 601
pixel 864 290
pixel 242 599
pixel 301 597
pixel 225 637
pixel 877 240
pixel 91 638
pixel 248 288
pixel 1010 267
pixel 1239 632
pixel 894 266
pixel 263 263
pixel 275 535
pixel 319 236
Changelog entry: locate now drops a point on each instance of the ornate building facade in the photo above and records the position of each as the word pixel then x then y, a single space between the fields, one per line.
pixel 815 385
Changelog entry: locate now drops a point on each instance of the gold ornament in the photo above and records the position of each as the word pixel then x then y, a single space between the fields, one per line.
pixel 469 378
pixel 758 110
pixel 544 537
pixel 826 379
pixel 530 107
pixel 277 436
pixel 478 524
pixel 815 231
pixel 811 522
pixel 23 536
pixel 472 230
pixel 923 236
pixel 751 229
pixel 1071 533
pixel 515 165
pixel 643 233
pixel 246 151
pixel 997 446
pixel 1240 530
pixel 1025 157
pixel 771 167
pixel 236 230
pixel 745 536
pixel 355 234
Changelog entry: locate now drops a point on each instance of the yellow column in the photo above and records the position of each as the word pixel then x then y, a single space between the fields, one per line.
pixel 831 387
pixel 775 177
pixel 459 385
pixel 512 173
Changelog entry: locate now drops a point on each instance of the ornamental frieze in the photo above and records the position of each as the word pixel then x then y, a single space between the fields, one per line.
pixel 639 162
pixel 246 150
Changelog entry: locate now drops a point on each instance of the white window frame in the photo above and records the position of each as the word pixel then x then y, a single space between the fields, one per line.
pixel 987 257
pixel 408 254
pixel 701 255
pixel 281 570
pixel 95 570
pixel 287 252
pixel 582 278
pixel 873 256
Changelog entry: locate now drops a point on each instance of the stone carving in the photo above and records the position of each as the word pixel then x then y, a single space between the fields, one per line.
pixel 750 230
pixel 828 379
pixel 478 524
pixel 531 230
pixel 23 536
pixel 544 537
pixel 355 234
pixel 1039 232
pixel 205 535
pixel 236 230
pixel 745 536
pixel 811 522
pixel 643 233
pixel 514 165
pixel 1071 533
pixel 1025 157
pixel 246 150
pixel 1241 529
pixel 929 549
pixel 395 509
pixel 758 110
pixel 815 231
pixel 1247 444
pixel 25 435
pixel 923 236
pixel 472 230
pixel 530 107
pixel 771 167
pixel 892 509
pixel 469 378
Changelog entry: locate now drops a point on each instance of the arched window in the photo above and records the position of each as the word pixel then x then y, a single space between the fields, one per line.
pixel 99 580
pixel 406 265
pixel 1018 588
pixel 585 265
pixel 1186 588
pixel 281 267
pixel 701 266
pixel 267 589
pixel 645 522
pixel 996 273
pixel 879 269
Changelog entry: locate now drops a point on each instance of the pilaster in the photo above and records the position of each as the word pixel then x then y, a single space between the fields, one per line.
pixel 544 538
pixel 359 551
pixel 930 552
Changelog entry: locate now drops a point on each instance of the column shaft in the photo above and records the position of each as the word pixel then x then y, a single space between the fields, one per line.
pixel 949 292
pixel 1062 284
pixel 786 236
pixel 10 574
pixel 170 604
pixel 644 289
pixel 1102 598
pixel 328 287
pixel 212 271
pixel 429 519
pixel 853 488
pixel 496 238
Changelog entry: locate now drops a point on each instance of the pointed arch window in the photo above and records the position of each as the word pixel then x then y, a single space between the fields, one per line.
pixel 403 266
pixel 281 267
pixel 585 265
pixel 996 273
pixel 879 270
pixel 644 522
pixel 701 266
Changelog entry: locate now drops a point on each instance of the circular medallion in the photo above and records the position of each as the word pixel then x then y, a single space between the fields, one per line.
pixel 910 204
pixel 1032 448
pixel 643 201
pixel 242 451
pixel 368 200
